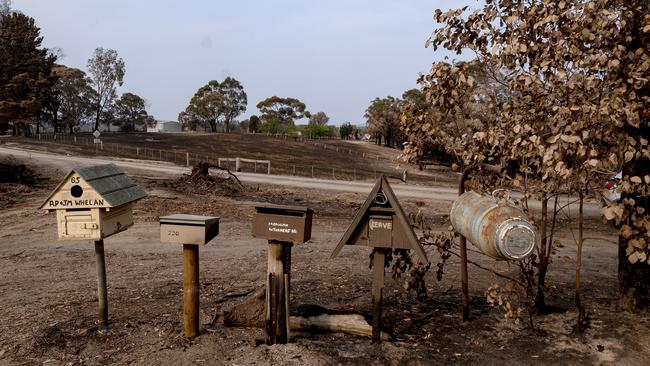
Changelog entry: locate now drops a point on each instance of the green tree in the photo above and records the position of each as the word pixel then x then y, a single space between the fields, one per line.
pixel 316 130
pixel 106 74
pixel 130 113
pixel 25 71
pixel 276 110
pixel 189 120
pixel 254 124
pixel 218 104
pixel 383 118
pixel 75 96
pixel 346 130
pixel 233 100
pixel 319 118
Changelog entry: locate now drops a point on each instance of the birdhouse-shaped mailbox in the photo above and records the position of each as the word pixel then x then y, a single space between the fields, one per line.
pixel 188 229
pixel 282 223
pixel 381 223
pixel 93 202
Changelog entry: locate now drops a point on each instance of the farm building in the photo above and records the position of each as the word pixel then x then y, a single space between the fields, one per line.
pixel 165 126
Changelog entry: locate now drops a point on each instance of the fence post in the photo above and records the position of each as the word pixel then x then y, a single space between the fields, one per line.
pixel 269 172
pixel 294 169
pixel 160 154
pixel 355 174
pixel 333 173
pixel 137 151
pixel 188 158
pixel 312 171
pixel 237 165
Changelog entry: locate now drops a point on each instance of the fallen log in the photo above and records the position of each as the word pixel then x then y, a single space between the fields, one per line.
pixel 250 313
pixel 354 324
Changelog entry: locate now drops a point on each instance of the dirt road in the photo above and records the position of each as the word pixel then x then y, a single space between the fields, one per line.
pixel 67 162
pixel 447 194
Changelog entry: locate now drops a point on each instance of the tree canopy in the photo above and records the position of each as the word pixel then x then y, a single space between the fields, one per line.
pixel 286 110
pixel 565 102
pixel 217 104
pixel 106 73
pixel 25 70
pixel 130 113
pixel 319 118
pixel 382 119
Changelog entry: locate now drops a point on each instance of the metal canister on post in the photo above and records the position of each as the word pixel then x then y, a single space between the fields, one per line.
pixel 499 230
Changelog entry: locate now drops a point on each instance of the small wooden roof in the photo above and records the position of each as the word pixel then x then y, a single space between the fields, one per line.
pixel 392 205
pixel 104 186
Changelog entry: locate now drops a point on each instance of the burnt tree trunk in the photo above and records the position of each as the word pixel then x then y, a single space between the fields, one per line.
pixel 634 281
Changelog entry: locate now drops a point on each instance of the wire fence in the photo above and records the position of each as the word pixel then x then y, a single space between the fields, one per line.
pixel 187 158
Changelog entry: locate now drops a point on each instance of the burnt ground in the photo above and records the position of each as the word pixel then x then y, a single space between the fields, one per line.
pixel 358 160
pixel 48 292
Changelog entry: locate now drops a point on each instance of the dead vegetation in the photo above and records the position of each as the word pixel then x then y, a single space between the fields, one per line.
pixel 222 183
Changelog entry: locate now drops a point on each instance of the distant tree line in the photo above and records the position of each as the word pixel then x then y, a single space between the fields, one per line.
pixel 35 90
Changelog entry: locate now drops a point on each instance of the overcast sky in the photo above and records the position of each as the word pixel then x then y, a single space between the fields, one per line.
pixel 336 56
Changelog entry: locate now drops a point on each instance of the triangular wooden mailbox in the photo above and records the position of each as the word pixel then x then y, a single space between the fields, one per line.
pixel 381 223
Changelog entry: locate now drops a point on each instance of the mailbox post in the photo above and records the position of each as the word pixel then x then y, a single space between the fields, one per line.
pixel 282 226
pixel 382 225
pixel 93 203
pixel 192 231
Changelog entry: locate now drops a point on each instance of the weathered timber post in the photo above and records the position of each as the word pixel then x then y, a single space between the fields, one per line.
pixel 377 288
pixel 237 164
pixel 190 290
pixel 278 291
pixel 192 231
pixel 187 155
pixel 102 292
pixel 282 226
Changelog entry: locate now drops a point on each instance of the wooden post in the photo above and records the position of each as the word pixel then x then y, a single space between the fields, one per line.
pixel 190 290
pixel 187 155
pixel 269 170
pixel 102 292
pixel 237 165
pixel 464 281
pixel 278 291
pixel 377 288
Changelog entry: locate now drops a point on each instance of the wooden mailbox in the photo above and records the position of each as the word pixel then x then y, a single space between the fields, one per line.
pixel 380 224
pixel 282 223
pixel 93 203
pixel 192 231
pixel 282 226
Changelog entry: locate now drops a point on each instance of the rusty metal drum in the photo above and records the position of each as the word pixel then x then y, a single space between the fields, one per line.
pixel 498 230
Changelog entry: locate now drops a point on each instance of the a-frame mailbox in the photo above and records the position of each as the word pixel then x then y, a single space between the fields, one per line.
pixel 381 224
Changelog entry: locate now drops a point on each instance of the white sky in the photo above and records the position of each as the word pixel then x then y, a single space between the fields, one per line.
pixel 336 56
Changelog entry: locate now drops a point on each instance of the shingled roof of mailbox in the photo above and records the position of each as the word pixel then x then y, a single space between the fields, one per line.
pixel 109 181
